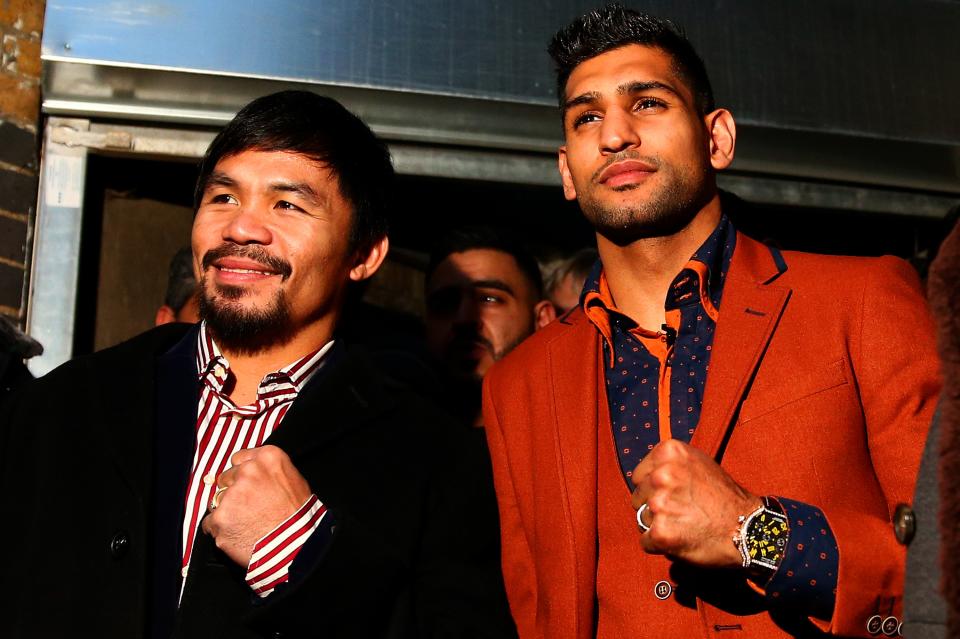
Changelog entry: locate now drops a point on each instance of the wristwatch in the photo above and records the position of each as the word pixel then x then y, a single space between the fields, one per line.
pixel 762 537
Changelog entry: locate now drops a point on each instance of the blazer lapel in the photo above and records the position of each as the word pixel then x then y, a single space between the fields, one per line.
pixel 177 395
pixel 345 394
pixel 574 362
pixel 750 311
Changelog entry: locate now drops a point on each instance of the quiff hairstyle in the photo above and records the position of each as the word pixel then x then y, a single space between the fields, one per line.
pixel 615 26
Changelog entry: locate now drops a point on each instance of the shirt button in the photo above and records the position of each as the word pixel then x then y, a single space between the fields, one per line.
pixel 209 479
pixel 662 590
pixel 119 544
pixel 219 370
pixel 184 571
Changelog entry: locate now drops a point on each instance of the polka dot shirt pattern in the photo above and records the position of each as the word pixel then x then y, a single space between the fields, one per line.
pixel 655 380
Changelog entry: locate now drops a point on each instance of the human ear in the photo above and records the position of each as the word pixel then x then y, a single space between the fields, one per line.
pixel 544 312
pixel 723 138
pixel 569 191
pixel 367 265
pixel 165 315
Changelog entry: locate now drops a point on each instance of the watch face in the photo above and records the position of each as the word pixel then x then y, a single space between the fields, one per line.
pixel 766 538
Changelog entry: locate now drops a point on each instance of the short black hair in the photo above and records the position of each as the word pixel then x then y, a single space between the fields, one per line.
pixel 321 129
pixel 615 26
pixel 467 238
pixel 181 282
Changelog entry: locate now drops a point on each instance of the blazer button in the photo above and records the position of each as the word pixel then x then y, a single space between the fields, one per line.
pixel 119 544
pixel 875 624
pixel 890 626
pixel 662 590
pixel 904 523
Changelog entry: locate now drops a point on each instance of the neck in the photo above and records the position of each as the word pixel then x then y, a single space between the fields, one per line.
pixel 249 368
pixel 639 274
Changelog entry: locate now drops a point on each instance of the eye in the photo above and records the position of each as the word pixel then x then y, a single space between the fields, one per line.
pixel 223 198
pixel 586 118
pixel 647 103
pixel 283 204
pixel 486 298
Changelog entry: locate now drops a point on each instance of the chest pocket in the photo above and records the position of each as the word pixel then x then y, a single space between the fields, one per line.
pixel 791 389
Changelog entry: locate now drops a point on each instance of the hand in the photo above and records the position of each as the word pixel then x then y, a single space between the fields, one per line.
pixel 264 488
pixel 692 506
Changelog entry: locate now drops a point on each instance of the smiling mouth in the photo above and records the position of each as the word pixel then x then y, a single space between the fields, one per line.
pixel 227 269
pixel 239 264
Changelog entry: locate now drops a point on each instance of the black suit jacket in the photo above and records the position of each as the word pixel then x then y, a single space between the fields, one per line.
pixel 95 458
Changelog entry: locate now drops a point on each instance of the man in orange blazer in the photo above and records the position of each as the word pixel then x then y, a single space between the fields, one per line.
pixel 716 441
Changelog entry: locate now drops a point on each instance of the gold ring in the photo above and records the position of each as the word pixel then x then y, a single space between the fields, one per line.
pixel 217 496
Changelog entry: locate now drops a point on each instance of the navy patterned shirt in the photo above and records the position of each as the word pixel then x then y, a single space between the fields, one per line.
pixel 655 379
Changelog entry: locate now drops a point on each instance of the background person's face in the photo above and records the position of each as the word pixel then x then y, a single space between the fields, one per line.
pixel 479 307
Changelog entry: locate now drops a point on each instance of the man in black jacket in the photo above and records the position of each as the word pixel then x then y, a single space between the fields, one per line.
pixel 252 475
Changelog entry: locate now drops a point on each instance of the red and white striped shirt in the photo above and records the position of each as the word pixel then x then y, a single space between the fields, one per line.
pixel 223 428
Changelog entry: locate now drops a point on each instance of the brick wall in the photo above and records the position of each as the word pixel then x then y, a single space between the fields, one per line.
pixel 21 23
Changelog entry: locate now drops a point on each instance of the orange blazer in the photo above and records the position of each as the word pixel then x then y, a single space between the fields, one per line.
pixel 822 384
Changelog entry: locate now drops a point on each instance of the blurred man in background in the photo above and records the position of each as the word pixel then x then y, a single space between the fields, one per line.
pixel 564 278
pixel 181 302
pixel 484 296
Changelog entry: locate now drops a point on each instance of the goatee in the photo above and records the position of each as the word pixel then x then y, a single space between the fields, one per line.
pixel 238 328
pixel 242 330
pixel 668 210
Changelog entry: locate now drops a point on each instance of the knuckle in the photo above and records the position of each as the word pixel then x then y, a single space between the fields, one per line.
pixel 661 477
pixel 672 448
pixel 657 503
pixel 656 538
pixel 272 454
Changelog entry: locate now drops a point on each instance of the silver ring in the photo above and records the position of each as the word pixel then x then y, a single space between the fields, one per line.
pixel 643 527
pixel 217 496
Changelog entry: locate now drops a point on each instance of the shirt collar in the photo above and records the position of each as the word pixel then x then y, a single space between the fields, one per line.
pixel 699 281
pixel 214 370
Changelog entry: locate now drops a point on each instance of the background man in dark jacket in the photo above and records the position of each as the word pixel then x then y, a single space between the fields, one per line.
pixel 252 475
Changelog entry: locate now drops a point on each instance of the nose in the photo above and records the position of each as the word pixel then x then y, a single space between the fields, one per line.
pixel 248 225
pixel 617 132
pixel 468 312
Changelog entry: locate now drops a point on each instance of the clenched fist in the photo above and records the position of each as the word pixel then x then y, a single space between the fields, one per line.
pixel 692 506
pixel 263 489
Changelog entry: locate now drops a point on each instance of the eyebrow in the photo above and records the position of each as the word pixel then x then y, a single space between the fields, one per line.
pixel 219 178
pixel 304 190
pixel 591 97
pixel 499 285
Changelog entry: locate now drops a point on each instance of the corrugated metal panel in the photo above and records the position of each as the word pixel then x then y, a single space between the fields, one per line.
pixel 883 68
